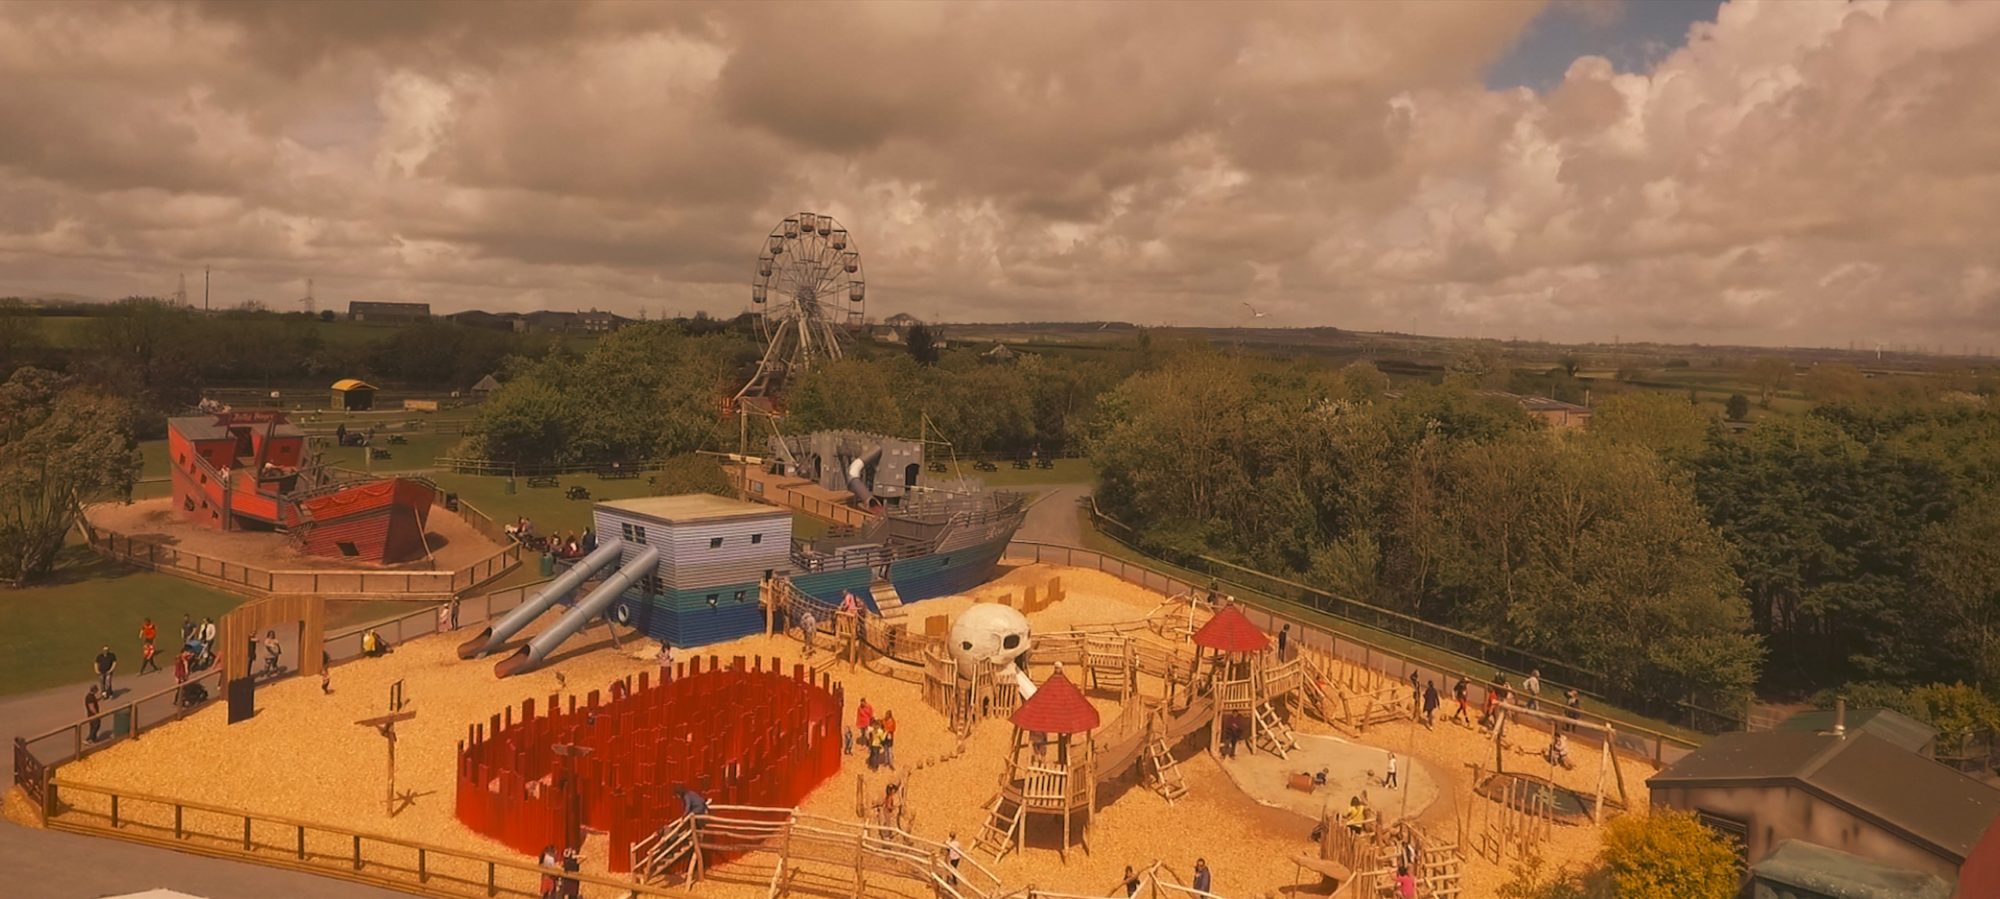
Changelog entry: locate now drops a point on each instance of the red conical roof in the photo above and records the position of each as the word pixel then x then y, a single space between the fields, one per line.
pixel 1057 707
pixel 1230 631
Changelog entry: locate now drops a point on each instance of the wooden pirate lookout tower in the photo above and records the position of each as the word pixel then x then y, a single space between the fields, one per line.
pixel 1050 771
pixel 1245 678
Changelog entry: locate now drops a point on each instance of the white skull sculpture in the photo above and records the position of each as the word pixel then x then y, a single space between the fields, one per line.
pixel 988 632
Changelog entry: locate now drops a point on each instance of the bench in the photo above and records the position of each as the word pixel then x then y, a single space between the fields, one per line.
pixel 1021 464
pixel 577 491
pixel 935 465
pixel 543 480
pixel 1045 462
pixel 377 453
pixel 984 465
pixel 617 473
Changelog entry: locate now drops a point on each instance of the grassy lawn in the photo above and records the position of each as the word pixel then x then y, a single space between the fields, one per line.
pixel 1421 652
pixel 1066 471
pixel 546 506
pixel 49 633
pixel 342 614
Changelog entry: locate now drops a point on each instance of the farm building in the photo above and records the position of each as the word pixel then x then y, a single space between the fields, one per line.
pixel 486 386
pixel 352 395
pixel 398 313
pixel 1551 412
pixel 1851 792
pixel 714 554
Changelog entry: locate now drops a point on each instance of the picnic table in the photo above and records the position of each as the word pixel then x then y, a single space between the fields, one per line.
pixel 543 480
pixel 577 491
pixel 1021 464
pixel 1045 462
pixel 985 465
pixel 377 453
pixel 617 472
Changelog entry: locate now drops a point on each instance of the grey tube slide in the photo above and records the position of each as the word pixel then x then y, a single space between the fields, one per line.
pixel 551 593
pixel 856 469
pixel 597 603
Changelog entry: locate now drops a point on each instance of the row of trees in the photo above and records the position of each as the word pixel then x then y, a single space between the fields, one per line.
pixel 1441 502
pixel 1852 543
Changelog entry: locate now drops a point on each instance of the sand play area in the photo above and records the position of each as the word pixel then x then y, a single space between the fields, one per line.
pixel 302 756
pixel 453 543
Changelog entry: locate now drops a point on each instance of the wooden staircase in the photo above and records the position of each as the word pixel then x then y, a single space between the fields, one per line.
pixel 1273 733
pixel 1002 827
pixel 893 611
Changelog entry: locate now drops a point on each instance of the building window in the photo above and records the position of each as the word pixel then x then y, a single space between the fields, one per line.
pixel 712 598
pixel 715 543
pixel 639 533
pixel 756 538
pixel 625 530
pixel 633 533
pixel 741 595
pixel 348 549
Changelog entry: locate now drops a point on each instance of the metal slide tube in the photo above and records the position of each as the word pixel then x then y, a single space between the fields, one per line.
pixel 551 593
pixel 597 603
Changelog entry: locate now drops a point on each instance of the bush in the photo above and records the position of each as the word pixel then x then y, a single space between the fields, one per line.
pixel 1668 855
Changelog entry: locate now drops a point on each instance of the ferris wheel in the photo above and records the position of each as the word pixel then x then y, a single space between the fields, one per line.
pixel 807 293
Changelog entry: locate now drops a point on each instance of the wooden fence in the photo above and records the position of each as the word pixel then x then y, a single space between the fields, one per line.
pixel 170 559
pixel 311 847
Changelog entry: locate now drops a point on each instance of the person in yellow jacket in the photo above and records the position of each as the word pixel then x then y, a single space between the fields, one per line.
pixel 1356 816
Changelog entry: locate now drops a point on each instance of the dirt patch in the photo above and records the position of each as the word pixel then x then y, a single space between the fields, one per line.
pixel 454 544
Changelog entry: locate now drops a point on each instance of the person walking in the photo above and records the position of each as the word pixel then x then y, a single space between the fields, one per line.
pixel 572 863
pixel 864 715
pixel 272 650
pixel 1406 886
pixel 808 628
pixel 325 672
pixel 549 882
pixel 107 662
pixel 1461 691
pixel 146 660
pixel 666 662
pixel 1430 704
pixel 187 628
pixel 1284 642
pixel 1389 777
pixel 889 740
pixel 147 632
pixel 1202 879
pixel 953 854
pixel 1531 689
pixel 90 710
pixel 1574 711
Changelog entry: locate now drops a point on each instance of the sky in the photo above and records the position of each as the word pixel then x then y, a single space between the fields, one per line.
pixel 1808 172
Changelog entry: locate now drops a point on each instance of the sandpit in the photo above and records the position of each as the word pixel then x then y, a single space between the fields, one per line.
pixel 453 543
pixel 302 756
pixel 1352 770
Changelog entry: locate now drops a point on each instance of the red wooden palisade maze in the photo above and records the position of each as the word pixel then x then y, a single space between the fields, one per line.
pixel 741 734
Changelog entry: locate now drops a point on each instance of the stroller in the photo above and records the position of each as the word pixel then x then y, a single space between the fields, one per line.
pixel 191 695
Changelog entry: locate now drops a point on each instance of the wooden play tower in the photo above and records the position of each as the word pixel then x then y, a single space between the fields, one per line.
pixel 1050 770
pixel 1246 679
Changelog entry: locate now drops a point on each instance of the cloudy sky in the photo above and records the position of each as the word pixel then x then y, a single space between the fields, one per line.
pixel 1757 172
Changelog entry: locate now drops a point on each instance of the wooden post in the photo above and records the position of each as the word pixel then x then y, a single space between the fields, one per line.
pixel 1603 762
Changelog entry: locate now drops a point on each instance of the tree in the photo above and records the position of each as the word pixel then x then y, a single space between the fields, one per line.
pixel 922 343
pixel 1770 375
pixel 1958 560
pixel 1476 366
pixel 61 447
pixel 1667 855
pixel 1659 422
pixel 1738 408
pixel 326 315
pixel 691 473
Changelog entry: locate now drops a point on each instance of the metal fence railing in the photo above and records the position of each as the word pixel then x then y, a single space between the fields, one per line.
pixel 1555 673
pixel 501 467
pixel 1634 739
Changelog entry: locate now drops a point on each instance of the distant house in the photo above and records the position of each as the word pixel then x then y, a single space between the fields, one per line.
pixel 886 334
pixel 999 353
pixel 486 386
pixel 398 313
pixel 595 322
pixel 1554 413
pixel 550 320
pixel 1889 814
pixel 497 321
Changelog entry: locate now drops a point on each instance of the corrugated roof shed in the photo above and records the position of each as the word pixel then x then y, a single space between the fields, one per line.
pixel 1899 729
pixel 1870 777
pixel 1830 872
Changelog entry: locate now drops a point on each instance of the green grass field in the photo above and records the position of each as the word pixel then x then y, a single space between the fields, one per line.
pixel 50 633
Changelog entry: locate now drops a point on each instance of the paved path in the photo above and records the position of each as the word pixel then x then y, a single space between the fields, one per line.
pixel 47 865
pixel 1053 519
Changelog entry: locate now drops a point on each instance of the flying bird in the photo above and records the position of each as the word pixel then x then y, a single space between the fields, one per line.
pixel 1253 311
